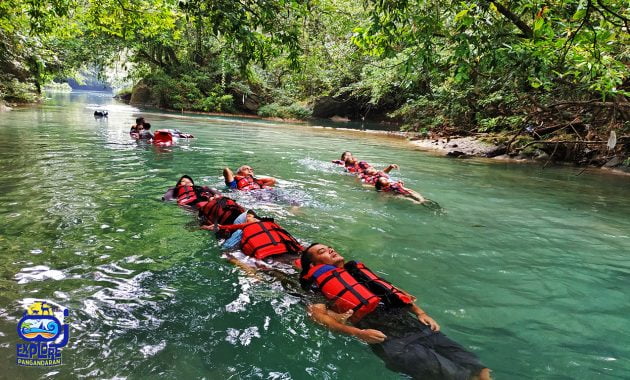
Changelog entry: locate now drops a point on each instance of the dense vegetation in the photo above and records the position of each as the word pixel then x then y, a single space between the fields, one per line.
pixel 554 70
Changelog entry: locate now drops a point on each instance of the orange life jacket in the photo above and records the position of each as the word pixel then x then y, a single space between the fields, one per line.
pixel 221 210
pixel 265 238
pixel 186 195
pixel 355 287
pixel 246 183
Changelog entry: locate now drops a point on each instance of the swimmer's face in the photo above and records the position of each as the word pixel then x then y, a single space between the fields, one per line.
pixel 250 218
pixel 185 182
pixel 246 170
pixel 323 254
pixel 351 160
pixel 346 155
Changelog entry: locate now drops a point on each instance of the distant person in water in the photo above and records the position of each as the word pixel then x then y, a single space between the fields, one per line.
pixel 342 161
pixel 219 210
pixel 188 194
pixel 245 180
pixel 353 165
pixel 260 238
pixel 397 187
pixel 385 317
pixel 134 132
pixel 145 133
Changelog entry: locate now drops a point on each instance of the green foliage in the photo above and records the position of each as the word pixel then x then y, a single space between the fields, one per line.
pixel 293 111
pixel 14 90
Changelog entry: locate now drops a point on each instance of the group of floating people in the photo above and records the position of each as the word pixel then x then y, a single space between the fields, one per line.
pixel 358 302
pixel 380 179
pixel 162 137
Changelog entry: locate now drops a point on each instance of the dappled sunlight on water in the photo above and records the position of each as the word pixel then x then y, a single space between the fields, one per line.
pixel 526 267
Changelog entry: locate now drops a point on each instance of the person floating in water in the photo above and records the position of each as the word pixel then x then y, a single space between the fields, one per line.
pixel 244 179
pixel 219 210
pixel 397 187
pixel 371 174
pixel 260 238
pixel 353 165
pixel 134 132
pixel 400 332
pixel 145 132
pixel 188 194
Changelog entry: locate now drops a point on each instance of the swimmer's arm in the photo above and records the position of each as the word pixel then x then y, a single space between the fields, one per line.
pixel 424 317
pixel 319 314
pixel 389 168
pixel 266 181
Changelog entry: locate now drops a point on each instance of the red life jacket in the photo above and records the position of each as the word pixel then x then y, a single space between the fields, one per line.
pixel 357 167
pixel 371 179
pixel 186 195
pixel 338 285
pixel 163 137
pixel 389 294
pixel 221 210
pixel 355 287
pixel 264 239
pixel 246 183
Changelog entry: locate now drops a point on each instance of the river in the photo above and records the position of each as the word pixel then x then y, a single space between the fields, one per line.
pixel 528 268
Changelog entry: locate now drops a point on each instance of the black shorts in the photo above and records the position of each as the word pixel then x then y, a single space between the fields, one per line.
pixel 427 355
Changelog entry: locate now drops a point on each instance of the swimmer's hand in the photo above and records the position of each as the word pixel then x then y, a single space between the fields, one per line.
pixel 424 318
pixel 371 336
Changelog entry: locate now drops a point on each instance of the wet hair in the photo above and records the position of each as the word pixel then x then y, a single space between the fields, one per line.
pixel 179 181
pixel 146 126
pixel 306 262
pixel 139 120
pixel 344 154
pixel 379 184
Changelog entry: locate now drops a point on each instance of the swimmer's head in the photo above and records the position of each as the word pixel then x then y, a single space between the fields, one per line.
pixel 345 155
pixel 350 161
pixel 251 217
pixel 381 183
pixel 245 170
pixel 139 121
pixel 319 253
pixel 185 181
pixel 316 254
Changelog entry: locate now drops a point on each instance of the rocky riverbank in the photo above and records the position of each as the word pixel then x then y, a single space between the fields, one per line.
pixel 470 146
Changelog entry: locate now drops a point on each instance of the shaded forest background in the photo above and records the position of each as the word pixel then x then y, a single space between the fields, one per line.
pixel 554 72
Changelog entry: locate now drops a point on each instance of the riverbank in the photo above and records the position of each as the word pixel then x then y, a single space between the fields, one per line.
pixel 471 146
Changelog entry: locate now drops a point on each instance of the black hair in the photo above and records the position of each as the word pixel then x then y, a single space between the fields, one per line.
pixel 378 184
pixel 306 261
pixel 182 177
pixel 146 126
pixel 139 120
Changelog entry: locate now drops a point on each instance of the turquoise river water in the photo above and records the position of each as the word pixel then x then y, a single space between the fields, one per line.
pixel 529 268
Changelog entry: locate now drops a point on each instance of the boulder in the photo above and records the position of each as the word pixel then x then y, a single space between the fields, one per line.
pixel 456 154
pixel 141 95
pixel 615 161
pixel 4 107
pixel 498 151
